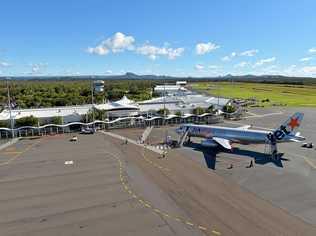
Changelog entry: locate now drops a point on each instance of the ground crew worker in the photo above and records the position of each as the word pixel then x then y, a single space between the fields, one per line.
pixel 251 164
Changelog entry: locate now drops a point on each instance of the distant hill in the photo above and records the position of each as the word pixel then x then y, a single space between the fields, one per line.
pixel 132 76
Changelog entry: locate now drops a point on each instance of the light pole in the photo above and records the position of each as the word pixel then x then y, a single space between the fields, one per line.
pixel 217 96
pixel 164 118
pixel 92 100
pixel 10 112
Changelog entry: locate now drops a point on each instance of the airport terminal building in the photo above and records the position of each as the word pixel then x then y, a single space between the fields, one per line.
pixel 123 113
pixel 121 108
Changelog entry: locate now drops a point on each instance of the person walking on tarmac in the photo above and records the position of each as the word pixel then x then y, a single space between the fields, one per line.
pixel 251 164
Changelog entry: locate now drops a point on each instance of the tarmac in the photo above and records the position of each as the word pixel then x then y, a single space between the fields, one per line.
pixel 102 186
pixel 289 184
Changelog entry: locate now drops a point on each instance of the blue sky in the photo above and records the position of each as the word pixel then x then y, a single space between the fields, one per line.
pixel 172 37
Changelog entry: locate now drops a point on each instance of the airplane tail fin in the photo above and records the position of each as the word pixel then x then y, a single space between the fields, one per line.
pixel 292 123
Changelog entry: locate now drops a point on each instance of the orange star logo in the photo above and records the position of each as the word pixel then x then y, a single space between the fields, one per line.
pixel 293 123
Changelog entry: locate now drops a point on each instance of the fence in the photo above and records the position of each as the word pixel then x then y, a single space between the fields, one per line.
pixel 119 123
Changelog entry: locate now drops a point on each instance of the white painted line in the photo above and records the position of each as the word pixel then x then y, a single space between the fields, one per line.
pixel 9 143
pixel 264 115
pixel 69 162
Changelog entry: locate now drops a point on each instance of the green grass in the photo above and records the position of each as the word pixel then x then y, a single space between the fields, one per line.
pixel 278 94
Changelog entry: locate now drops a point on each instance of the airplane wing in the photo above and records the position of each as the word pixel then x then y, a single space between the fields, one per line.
pixel 245 127
pixel 295 140
pixel 223 142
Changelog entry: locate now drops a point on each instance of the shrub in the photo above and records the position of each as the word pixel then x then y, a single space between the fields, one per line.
pixel 229 109
pixel 198 111
pixel 57 120
pixel 26 121
pixel 162 112
pixel 4 124
pixel 178 113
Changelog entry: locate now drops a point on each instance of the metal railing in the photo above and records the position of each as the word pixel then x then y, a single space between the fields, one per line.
pixel 119 123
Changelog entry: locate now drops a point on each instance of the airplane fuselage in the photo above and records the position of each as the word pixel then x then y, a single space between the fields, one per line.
pixel 233 134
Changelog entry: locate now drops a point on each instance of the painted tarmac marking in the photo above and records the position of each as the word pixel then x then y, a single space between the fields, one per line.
pixel 153 163
pixel 216 232
pixel 309 162
pixel 253 115
pixel 189 223
pixel 156 210
pixel 11 152
pixel 19 154
pixel 147 205
pixel 202 228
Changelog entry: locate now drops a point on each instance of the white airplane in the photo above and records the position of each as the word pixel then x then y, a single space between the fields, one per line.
pixel 224 136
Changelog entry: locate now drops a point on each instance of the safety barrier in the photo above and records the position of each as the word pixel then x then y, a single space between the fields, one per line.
pixel 124 122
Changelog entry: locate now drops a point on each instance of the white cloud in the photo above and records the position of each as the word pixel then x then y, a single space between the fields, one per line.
pixel 99 50
pixel 290 70
pixel 311 70
pixel 108 72
pixel 119 42
pixel 229 57
pixel 213 67
pixel 4 64
pixel 152 52
pixel 249 53
pixel 265 61
pixel 38 68
pixel 203 48
pixel 241 64
pixel 304 59
pixel 312 50
pixel 226 58
pixel 199 67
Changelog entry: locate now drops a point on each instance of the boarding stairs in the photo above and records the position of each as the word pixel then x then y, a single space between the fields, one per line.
pixel 182 138
pixel 270 148
pixel 146 133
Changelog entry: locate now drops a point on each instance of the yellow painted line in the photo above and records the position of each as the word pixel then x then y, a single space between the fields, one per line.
pixel 310 162
pixel 157 210
pixel 19 154
pixel 202 228
pixel 154 164
pixel 147 205
pixel 216 232
pixel 11 152
pixel 189 223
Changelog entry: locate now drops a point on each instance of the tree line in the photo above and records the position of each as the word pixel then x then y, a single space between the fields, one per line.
pixel 38 94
